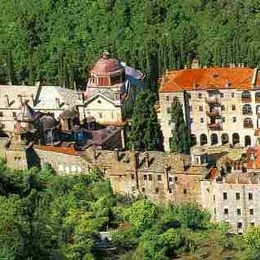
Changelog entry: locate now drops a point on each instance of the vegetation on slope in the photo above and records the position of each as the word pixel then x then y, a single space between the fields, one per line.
pixel 45 216
pixel 58 41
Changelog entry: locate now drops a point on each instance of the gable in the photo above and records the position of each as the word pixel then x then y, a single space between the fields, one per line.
pixel 99 102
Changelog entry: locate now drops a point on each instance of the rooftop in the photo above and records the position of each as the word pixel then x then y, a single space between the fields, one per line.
pixel 210 78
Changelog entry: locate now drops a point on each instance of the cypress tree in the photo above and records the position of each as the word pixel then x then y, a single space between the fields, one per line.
pixel 145 132
pixel 180 140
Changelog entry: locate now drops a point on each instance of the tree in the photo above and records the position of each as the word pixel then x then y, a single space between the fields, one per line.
pixel 145 132
pixel 180 140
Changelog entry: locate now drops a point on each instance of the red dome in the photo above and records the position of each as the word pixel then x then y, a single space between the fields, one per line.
pixel 107 66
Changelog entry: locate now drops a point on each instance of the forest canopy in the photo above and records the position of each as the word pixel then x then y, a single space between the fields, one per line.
pixel 58 41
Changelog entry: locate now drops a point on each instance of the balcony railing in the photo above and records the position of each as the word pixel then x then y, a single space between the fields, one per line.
pixel 214 113
pixel 246 99
pixel 213 100
pixel 215 126
pixel 248 125
pixel 247 112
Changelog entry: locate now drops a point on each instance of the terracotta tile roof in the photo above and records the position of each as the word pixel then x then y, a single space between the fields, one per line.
pixel 58 149
pixel 205 78
pixel 242 178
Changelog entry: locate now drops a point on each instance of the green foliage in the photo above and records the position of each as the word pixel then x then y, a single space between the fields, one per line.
pixel 145 132
pixel 180 140
pixel 46 216
pixel 57 40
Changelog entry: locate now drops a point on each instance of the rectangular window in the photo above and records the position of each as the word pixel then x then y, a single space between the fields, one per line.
pixel 238 211
pixel 233 107
pixel 145 177
pixel 175 178
pixel 167 98
pixel 200 95
pixel 170 190
pixel 214 198
pixel 222 108
pixel 190 108
pixel 184 191
pixel 250 196
pixel 150 177
pixel 156 190
pixel 223 119
pixel 159 177
pixel 100 115
pixel 252 224
pixel 234 119
pixel 170 179
pixel 191 120
pixel 239 224
pixel 14 114
pixel 237 196
pixel 221 95
pixel 232 94
pixel 143 189
pixel 202 120
pixel 226 211
pixel 224 196
pixel 1 114
pixel 251 211
pixel 200 108
pixel 133 176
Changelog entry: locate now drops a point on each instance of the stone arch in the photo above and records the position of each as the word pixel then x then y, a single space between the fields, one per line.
pixel 214 139
pixel 246 94
pixel 247 140
pixel 203 139
pixel 247 109
pixel 224 139
pixel 193 139
pixel 235 138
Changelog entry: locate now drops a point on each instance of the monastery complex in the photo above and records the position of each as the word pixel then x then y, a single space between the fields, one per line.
pixel 75 131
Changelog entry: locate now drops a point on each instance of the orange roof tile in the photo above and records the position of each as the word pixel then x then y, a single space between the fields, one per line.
pixel 208 78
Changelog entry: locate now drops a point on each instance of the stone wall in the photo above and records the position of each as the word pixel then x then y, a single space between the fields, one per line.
pixel 63 163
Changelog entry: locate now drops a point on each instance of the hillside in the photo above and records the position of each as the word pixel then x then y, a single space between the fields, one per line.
pixel 58 41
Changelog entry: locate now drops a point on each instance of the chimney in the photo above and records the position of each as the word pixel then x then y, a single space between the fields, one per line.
pixel 166 172
pixel 32 100
pixel 7 103
pixel 95 153
pixel 116 153
pixel 147 161
pixel 57 103
pixel 136 161
pixel 254 78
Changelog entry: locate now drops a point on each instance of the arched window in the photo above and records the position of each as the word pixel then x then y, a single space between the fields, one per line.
pixel 235 138
pixel 247 140
pixel 214 139
pixel 258 109
pixel 257 97
pixel 224 139
pixel 248 123
pixel 247 109
pixel 246 96
pixel 203 139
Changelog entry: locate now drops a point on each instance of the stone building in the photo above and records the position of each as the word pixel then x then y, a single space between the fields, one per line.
pixel 46 99
pixel 221 106
pixel 233 199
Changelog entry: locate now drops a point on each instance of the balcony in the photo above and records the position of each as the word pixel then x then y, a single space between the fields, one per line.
pixel 248 125
pixel 215 126
pixel 214 113
pixel 246 99
pixel 213 100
